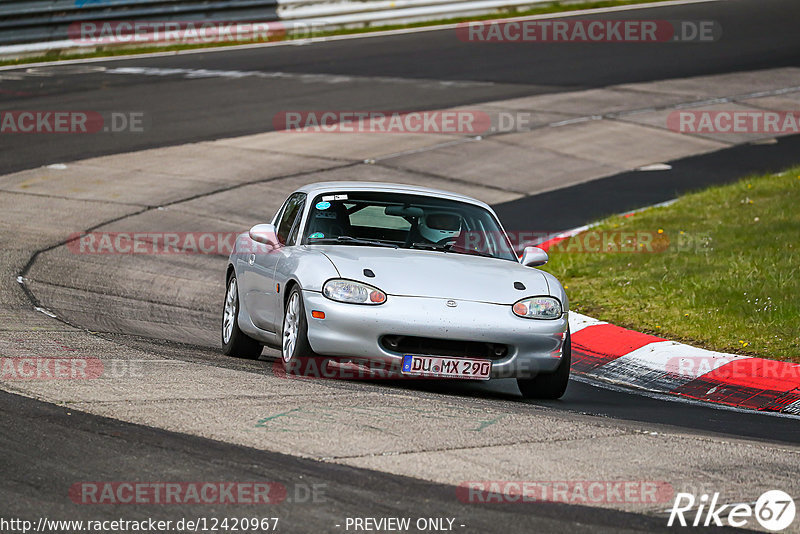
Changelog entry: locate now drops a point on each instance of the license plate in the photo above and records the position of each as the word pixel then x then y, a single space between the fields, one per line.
pixel 444 367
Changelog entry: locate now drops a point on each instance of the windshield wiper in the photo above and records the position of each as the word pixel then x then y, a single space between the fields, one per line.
pixel 451 248
pixel 347 240
pixel 429 246
pixel 472 252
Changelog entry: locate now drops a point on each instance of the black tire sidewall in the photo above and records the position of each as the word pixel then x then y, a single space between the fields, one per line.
pixel 240 344
pixel 227 346
pixel 302 347
pixel 550 385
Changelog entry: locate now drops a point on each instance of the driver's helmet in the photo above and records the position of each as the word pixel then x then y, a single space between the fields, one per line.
pixel 436 226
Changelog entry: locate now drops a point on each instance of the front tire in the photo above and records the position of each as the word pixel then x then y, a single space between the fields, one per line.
pixel 295 348
pixel 549 385
pixel 234 341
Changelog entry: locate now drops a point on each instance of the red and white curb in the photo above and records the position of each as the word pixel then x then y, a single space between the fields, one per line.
pixel 613 354
pixel 625 357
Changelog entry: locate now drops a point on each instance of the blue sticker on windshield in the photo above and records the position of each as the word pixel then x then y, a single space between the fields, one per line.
pixel 323 205
pixel 316 235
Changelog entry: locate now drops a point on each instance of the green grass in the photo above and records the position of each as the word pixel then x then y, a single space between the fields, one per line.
pixel 727 276
pixel 110 51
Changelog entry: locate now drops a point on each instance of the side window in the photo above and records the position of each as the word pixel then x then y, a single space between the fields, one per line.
pixel 290 218
pixel 278 216
pixel 295 228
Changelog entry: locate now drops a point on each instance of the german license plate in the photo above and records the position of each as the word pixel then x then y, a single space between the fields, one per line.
pixel 444 367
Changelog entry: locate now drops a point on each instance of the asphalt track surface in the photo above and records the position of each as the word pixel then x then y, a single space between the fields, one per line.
pixel 50 466
pixel 382 73
pixel 50 453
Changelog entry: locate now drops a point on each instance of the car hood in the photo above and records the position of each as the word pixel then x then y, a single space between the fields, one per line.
pixel 448 275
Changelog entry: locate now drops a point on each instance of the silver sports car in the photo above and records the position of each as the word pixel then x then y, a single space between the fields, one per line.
pixel 418 280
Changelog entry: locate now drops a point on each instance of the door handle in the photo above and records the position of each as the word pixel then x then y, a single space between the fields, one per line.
pixel 252 259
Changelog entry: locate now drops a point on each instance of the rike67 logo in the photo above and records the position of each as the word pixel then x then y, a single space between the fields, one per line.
pixel 774 511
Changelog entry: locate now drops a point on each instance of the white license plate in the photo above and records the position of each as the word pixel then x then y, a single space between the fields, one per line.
pixel 444 367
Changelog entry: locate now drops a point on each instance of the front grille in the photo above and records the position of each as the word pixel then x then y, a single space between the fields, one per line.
pixel 443 347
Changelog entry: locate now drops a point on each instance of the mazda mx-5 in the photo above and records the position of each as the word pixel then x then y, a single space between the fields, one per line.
pixel 424 281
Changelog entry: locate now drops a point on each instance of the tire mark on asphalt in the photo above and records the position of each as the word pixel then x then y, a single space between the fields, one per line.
pixel 21 276
pixel 480 447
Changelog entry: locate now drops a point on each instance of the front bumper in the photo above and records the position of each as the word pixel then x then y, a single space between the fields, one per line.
pixel 354 331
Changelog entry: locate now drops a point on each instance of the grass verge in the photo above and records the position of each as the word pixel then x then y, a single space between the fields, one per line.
pixel 724 273
pixel 112 51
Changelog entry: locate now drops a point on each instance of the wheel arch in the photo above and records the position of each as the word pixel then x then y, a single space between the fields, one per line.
pixel 290 284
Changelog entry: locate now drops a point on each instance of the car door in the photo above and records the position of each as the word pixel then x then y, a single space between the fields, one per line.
pixel 246 266
pixel 263 301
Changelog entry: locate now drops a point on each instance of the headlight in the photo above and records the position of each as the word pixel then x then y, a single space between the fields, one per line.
pixel 353 292
pixel 538 308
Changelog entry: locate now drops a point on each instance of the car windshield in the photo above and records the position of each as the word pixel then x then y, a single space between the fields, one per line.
pixel 383 219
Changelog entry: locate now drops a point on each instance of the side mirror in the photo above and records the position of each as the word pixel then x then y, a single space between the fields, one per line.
pixel 264 233
pixel 533 257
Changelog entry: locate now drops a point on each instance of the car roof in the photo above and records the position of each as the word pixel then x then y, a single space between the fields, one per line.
pixel 324 187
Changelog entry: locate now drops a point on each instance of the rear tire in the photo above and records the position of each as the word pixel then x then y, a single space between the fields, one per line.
pixel 234 341
pixel 549 385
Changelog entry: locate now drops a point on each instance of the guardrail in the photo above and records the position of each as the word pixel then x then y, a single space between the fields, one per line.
pixel 32 27
pixel 29 21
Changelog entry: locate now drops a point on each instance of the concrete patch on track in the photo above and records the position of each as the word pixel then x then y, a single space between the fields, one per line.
pixel 591 102
pixel 251 202
pixel 611 143
pixel 160 176
pixel 722 85
pixel 339 146
pixel 670 457
pixel 304 418
pixel 514 167
pixel 659 118
pixel 227 185
pixel 786 101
